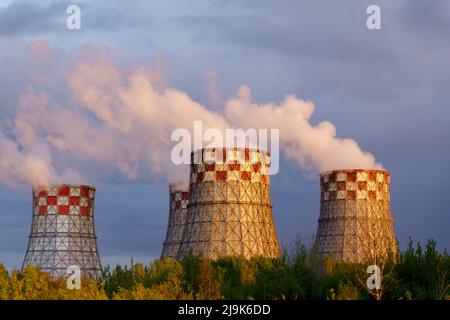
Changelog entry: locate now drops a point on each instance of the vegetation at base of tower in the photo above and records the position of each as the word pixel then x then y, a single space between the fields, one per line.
pixel 420 273
pixel 33 284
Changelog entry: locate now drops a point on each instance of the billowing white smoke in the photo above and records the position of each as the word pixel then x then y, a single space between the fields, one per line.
pixel 313 147
pixel 180 186
pixel 117 119
pixel 31 166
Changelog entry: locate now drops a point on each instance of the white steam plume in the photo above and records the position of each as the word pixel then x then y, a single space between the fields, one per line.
pixel 313 147
pixel 117 119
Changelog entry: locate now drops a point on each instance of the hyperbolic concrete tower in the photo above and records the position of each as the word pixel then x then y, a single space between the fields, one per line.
pixel 178 203
pixel 355 223
pixel 62 230
pixel 230 211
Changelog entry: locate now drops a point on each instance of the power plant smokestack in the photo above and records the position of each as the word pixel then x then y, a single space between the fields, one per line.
pixel 355 223
pixel 62 230
pixel 178 203
pixel 229 211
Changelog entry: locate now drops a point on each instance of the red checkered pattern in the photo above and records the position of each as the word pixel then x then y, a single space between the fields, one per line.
pixel 64 200
pixel 179 199
pixel 230 164
pixel 230 155
pixel 355 184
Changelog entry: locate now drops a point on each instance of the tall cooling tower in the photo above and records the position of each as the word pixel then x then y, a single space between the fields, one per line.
pixel 229 211
pixel 62 231
pixel 355 223
pixel 178 203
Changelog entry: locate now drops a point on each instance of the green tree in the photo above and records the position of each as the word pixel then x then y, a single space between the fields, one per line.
pixel 192 265
pixel 4 283
pixel 209 282
pixel 423 274
pixel 90 289
pixel 161 271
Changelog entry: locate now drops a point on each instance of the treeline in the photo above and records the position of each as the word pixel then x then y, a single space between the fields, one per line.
pixel 419 273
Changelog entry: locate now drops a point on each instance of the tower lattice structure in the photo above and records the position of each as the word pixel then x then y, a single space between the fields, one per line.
pixel 62 231
pixel 355 223
pixel 178 203
pixel 230 211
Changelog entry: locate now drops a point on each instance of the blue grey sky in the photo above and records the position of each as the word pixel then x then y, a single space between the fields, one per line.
pixel 388 89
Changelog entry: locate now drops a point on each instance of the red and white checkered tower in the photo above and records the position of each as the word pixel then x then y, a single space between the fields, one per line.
pixel 229 211
pixel 178 203
pixel 355 223
pixel 62 232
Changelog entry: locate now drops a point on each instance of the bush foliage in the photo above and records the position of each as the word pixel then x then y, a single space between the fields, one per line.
pixel 417 274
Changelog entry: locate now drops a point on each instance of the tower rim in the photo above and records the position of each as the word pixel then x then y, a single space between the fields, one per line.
pixel 59 185
pixel 231 149
pixel 328 172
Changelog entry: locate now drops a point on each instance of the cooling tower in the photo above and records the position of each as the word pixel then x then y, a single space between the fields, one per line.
pixel 229 211
pixel 178 203
pixel 355 223
pixel 62 231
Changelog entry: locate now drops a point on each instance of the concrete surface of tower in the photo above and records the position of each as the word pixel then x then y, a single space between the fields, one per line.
pixel 230 211
pixel 355 223
pixel 62 230
pixel 178 203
